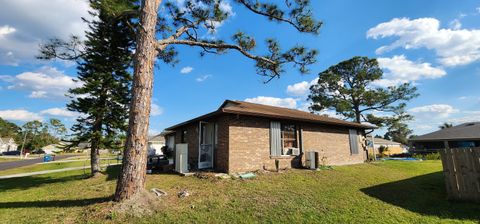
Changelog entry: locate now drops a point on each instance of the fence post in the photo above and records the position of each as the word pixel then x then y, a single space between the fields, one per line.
pixel 461 169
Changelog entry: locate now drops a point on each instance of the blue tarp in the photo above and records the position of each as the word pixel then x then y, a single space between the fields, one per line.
pixel 403 159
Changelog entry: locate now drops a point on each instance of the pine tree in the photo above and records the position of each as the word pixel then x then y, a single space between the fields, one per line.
pixel 182 23
pixel 348 88
pixel 104 63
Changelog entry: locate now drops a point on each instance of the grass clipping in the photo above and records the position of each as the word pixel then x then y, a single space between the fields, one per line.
pixel 143 203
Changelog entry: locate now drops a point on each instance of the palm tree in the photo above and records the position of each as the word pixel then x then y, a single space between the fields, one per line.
pixel 445 125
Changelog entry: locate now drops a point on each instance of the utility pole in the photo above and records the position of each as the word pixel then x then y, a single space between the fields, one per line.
pixel 373 148
pixel 23 144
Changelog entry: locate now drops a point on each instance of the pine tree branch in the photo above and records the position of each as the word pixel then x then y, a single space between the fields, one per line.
pixel 163 43
pixel 279 18
pixel 180 31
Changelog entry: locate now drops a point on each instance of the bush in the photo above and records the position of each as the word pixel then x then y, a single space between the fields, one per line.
pixel 428 156
pixel 382 150
pixel 370 157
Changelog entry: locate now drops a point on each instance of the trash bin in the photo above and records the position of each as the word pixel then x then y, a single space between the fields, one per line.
pixel 47 158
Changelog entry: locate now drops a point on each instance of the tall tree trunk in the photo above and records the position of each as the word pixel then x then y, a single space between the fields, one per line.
pixel 94 159
pixel 94 146
pixel 94 156
pixel 132 177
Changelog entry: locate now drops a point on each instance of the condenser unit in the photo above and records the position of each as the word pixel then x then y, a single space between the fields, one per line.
pixel 311 160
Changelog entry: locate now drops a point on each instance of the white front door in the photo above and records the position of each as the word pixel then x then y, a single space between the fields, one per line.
pixel 206 140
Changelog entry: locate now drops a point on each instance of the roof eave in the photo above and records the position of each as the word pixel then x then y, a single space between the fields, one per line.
pixel 299 119
pixel 211 114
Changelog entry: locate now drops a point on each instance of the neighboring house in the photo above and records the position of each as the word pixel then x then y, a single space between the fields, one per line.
pixel 241 136
pixel 54 148
pixel 460 136
pixel 392 147
pixel 7 144
pixel 155 144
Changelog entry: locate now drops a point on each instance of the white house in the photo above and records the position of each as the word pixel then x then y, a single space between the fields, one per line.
pixel 7 144
pixel 155 144
pixel 54 148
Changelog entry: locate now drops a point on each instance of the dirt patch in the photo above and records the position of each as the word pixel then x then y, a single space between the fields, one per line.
pixel 205 175
pixel 144 203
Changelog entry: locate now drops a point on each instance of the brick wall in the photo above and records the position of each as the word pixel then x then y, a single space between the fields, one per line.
pixel 249 145
pixel 221 151
pixel 243 144
pixel 332 143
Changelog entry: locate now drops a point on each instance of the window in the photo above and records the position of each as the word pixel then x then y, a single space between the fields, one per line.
pixel 283 139
pixel 289 136
pixel 183 138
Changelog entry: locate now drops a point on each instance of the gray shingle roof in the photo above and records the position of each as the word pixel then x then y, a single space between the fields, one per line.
pixel 380 141
pixel 470 130
pixel 253 109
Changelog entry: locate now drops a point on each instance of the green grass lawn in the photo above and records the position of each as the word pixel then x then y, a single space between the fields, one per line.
pixel 383 192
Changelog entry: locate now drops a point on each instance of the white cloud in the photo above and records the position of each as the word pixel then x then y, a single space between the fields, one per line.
pixel 399 69
pixel 453 47
pixel 433 111
pixel 38 94
pixel 47 82
pixel 478 9
pixel 7 78
pixel 39 21
pixel 156 110
pixel 19 115
pixel 430 117
pixel 273 101
pixel 186 70
pixel 301 88
pixel 467 116
pixel 5 30
pixel 226 8
pixel 59 112
pixel 455 24
pixel 203 78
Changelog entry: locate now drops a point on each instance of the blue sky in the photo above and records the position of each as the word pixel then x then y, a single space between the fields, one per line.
pixel 433 44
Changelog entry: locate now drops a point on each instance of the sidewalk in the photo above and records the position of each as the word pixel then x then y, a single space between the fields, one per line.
pixel 49 171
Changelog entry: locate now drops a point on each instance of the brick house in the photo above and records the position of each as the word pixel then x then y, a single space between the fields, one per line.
pixel 241 136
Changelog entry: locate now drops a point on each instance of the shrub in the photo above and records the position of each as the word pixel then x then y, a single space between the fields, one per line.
pixel 370 157
pixel 428 156
pixel 382 150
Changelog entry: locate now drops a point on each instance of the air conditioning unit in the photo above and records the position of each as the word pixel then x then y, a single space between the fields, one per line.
pixel 181 158
pixel 291 151
pixel 311 160
pixel 295 151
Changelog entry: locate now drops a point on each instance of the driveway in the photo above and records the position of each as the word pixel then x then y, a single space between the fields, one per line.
pixel 27 162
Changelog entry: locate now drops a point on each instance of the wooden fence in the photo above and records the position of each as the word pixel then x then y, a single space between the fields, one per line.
pixel 461 169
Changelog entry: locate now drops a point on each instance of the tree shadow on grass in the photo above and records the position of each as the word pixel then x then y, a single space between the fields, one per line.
pixel 54 203
pixel 112 172
pixel 24 183
pixel 425 195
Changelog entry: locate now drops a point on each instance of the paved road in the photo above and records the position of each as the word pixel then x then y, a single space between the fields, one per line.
pixel 27 162
pixel 50 171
